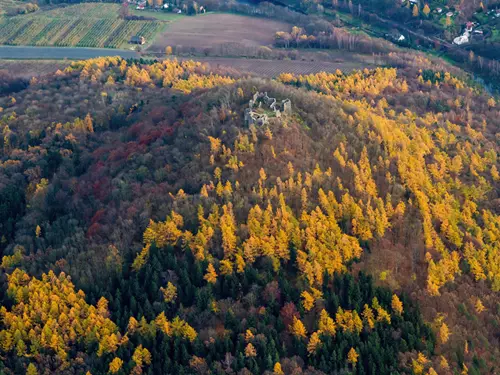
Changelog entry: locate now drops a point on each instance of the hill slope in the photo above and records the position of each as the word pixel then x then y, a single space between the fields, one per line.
pixel 225 247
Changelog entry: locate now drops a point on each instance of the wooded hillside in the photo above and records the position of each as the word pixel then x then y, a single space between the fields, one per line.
pixel 146 228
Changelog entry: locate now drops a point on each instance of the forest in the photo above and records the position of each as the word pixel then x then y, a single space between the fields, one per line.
pixel 147 228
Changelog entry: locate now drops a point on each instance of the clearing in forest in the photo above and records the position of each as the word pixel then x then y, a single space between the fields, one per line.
pixel 81 25
pixel 216 29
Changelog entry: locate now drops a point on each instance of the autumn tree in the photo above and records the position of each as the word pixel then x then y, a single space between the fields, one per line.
pixel 314 343
pixel 277 369
pixel 297 328
pixel 169 293
pixel 352 357
pixel 444 333
pixel 250 351
pixel 415 11
pixel 396 304
pixel 115 365
pixel 426 10
pixel 211 275
pixel 31 370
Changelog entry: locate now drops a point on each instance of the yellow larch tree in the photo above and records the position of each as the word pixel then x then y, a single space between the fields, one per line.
pixel 115 365
pixel 226 267
pixel 352 357
pixel 382 314
pixel 228 231
pixel 368 316
pixel 479 306
pixel 307 300
pixel 141 358
pixel 397 305
pixel 210 275
pixel 444 333
pixel 248 335
pixel 277 369
pixel 31 370
pixel 250 351
pixel 326 324
pixel 169 293
pixel 314 343
pixel 297 328
pixel 141 258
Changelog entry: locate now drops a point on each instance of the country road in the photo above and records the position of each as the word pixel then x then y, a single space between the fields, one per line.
pixel 75 53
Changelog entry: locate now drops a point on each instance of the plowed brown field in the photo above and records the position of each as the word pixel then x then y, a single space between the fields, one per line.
pixel 214 29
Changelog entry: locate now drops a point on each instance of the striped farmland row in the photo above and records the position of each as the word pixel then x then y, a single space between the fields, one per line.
pixel 19 32
pixel 149 29
pixel 125 33
pixel 97 35
pixel 76 33
pixel 7 30
pixel 108 43
pixel 50 28
pixel 54 30
pixel 34 28
pixel 82 25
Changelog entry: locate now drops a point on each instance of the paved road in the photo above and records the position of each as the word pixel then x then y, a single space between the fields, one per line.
pixel 76 53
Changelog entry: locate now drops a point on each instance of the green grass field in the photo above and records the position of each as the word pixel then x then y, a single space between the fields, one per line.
pixel 81 25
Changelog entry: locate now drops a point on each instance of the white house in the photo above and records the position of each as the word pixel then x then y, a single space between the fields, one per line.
pixel 462 39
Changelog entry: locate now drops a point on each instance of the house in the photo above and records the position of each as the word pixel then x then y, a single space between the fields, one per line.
pixel 469 26
pixel 139 7
pixel 439 10
pixel 462 39
pixel 449 14
pixel 165 6
pixel 137 40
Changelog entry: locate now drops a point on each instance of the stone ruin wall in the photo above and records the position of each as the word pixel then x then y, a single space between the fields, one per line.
pixel 253 117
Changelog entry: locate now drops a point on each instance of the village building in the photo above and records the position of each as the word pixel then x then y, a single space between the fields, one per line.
pixel 137 40
pixel 462 39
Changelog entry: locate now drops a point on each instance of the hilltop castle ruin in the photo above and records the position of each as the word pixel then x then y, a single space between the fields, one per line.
pixel 259 115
